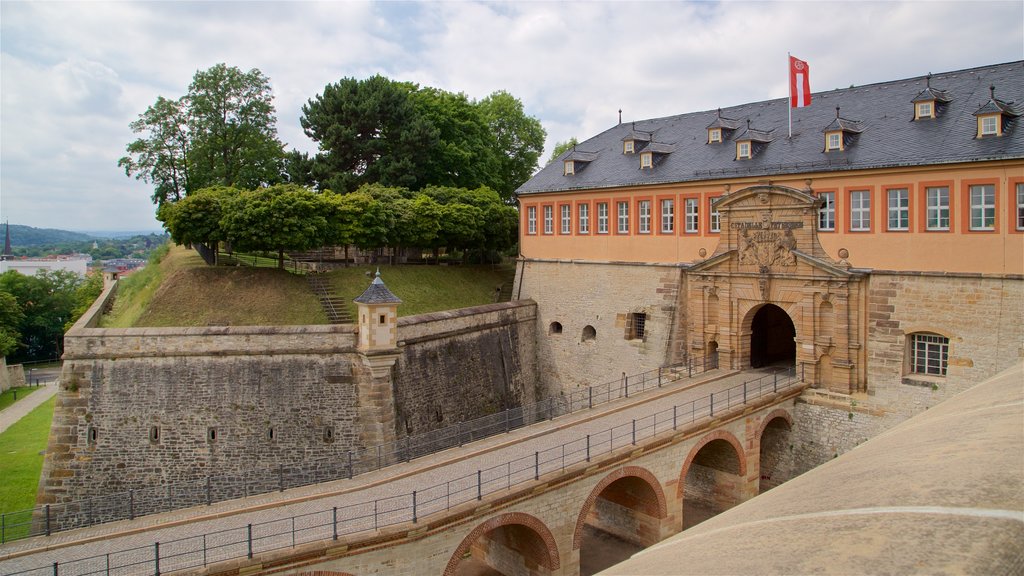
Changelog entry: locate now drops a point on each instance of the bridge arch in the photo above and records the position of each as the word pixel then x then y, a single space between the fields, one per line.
pixel 656 507
pixel 772 449
pixel 712 476
pixel 518 531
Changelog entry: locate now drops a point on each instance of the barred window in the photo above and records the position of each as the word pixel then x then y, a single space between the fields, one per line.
pixel 636 326
pixel 929 353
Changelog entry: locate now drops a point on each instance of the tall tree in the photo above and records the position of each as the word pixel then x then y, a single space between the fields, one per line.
pixel 561 147
pixel 160 157
pixel 196 219
pixel 465 154
pixel 279 218
pixel 11 318
pixel 368 131
pixel 222 132
pixel 519 141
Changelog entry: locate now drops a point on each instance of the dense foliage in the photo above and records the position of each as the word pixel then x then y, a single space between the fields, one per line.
pixel 44 243
pixel 35 311
pixel 289 217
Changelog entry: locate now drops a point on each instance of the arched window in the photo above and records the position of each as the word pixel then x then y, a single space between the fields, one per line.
pixel 589 333
pixel 555 328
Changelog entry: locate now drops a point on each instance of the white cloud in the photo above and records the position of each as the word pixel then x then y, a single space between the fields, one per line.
pixel 75 74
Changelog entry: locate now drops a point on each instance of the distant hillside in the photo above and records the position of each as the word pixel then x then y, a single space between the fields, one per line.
pixel 29 236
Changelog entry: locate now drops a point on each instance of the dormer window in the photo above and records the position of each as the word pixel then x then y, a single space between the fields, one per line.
pixel 646 160
pixel 834 141
pixel 924 110
pixel 721 128
pixel 930 102
pixel 841 133
pixel 995 116
pixel 569 168
pixel 743 150
pixel 628 147
pixel 714 135
pixel 576 161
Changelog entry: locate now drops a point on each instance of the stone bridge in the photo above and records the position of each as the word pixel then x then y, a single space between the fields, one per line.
pixel 563 497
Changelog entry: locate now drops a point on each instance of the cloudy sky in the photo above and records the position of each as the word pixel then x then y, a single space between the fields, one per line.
pixel 73 75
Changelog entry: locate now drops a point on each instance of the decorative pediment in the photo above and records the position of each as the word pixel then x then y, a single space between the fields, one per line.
pixel 771 256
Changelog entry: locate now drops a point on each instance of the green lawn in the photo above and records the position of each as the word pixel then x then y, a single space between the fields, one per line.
pixel 21 460
pixel 7 398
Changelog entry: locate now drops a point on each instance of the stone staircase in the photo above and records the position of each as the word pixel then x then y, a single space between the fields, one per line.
pixel 334 306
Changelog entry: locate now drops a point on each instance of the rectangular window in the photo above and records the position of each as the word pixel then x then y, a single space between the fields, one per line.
pixel 692 215
pixel 860 210
pixel 834 141
pixel 983 207
pixel 714 135
pixel 716 216
pixel 623 212
pixel 531 220
pixel 743 150
pixel 929 354
pixel 989 125
pixel 584 217
pixel 602 217
pixel 627 147
pixel 646 160
pixel 644 214
pixel 566 218
pixel 569 168
pixel 668 216
pixel 1020 206
pixel 827 212
pixel 924 110
pixel 899 209
pixel 636 326
pixel 937 207
pixel 549 220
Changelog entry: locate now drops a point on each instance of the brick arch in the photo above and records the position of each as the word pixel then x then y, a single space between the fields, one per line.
pixel 777 413
pixel 716 435
pixel 533 523
pixel 624 472
pixel 792 309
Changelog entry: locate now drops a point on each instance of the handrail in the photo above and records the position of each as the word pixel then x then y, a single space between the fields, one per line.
pixel 332 523
pixel 205 490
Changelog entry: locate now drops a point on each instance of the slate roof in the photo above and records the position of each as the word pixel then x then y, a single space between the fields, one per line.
pixel 377 293
pixel 884 112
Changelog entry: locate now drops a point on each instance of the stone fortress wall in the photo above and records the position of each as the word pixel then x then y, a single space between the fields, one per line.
pixel 146 407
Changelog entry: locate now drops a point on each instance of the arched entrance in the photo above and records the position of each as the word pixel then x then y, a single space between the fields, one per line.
pixel 513 544
pixel 711 480
pixel 622 515
pixel 772 338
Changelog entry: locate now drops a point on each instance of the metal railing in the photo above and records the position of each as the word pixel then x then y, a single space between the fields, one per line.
pixel 332 523
pixel 130 504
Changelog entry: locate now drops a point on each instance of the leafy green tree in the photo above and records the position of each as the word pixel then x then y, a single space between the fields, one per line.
pixel 196 219
pixel 47 303
pixel 368 131
pixel 465 154
pixel 85 294
pixel 11 318
pixel 160 157
pixel 279 218
pixel 518 142
pixel 222 132
pixel 298 169
pixel 561 147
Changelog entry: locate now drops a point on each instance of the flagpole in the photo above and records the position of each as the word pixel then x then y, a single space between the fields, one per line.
pixel 789 80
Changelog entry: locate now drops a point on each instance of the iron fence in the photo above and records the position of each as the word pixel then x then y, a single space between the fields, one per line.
pixel 130 504
pixel 333 523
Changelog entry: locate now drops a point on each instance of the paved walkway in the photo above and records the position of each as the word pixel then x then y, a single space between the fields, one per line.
pixel 21 408
pixel 380 495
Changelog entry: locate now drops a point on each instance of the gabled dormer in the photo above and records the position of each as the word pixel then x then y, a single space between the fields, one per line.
pixel 931 102
pixel 841 133
pixel 995 116
pixel 577 161
pixel 653 154
pixel 751 142
pixel 635 141
pixel 722 128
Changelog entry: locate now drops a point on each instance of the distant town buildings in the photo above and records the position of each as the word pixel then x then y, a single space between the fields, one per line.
pixel 77 263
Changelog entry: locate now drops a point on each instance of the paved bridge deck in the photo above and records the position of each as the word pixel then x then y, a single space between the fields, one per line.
pixel 455 470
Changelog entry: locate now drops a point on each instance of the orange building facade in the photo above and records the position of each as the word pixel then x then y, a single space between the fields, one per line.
pixel 879 247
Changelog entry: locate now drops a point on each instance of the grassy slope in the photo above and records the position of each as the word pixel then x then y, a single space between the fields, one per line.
pixel 20 461
pixel 426 288
pixel 184 291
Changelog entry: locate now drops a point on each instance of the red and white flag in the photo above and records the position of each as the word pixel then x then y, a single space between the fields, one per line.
pixel 799 83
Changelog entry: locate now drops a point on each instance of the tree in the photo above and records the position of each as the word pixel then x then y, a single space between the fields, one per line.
pixel 518 141
pixel 11 318
pixel 465 154
pixel 279 218
pixel 160 158
pixel 48 303
pixel 368 131
pixel 196 219
pixel 222 132
pixel 561 148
